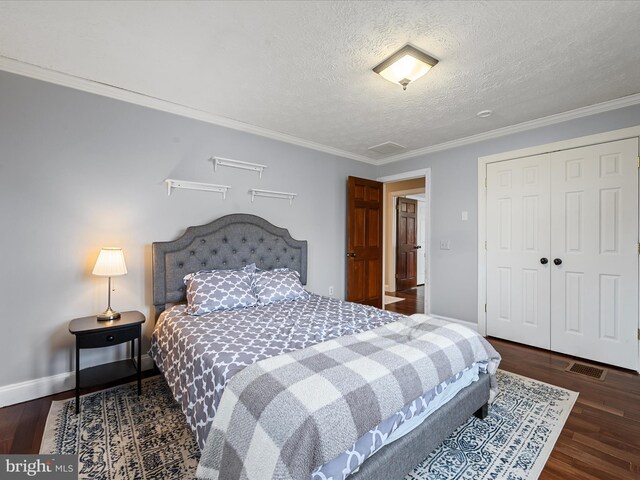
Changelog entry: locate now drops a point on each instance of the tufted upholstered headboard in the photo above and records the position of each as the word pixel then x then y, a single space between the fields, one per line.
pixel 232 241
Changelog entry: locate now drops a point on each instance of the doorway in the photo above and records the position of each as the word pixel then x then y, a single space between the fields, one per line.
pixel 414 188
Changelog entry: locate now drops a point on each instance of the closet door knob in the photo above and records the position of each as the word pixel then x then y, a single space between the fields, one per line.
pixel 544 261
pixel 557 261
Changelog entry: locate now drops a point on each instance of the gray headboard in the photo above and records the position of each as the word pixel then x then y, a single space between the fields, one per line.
pixel 232 241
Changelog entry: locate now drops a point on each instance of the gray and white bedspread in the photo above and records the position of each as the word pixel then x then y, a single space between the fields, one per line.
pixel 397 425
pixel 282 417
pixel 198 355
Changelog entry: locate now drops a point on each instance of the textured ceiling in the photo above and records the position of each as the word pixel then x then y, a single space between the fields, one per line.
pixel 304 68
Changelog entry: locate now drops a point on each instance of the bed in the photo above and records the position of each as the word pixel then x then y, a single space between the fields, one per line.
pixel 240 241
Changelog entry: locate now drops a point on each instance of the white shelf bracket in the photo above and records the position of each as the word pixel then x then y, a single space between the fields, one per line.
pixel 205 187
pixel 228 162
pixel 256 192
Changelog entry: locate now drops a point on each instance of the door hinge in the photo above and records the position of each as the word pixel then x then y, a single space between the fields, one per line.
pixel 485 182
pixel 638 248
pixel 638 161
pixel 485 310
pixel 485 245
pixel 639 334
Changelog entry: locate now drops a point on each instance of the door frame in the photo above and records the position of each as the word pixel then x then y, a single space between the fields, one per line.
pixel 577 142
pixel 423 201
pixel 426 173
pixel 394 219
pixel 395 233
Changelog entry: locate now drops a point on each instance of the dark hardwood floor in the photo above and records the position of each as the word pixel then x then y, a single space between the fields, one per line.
pixel 601 439
pixel 22 425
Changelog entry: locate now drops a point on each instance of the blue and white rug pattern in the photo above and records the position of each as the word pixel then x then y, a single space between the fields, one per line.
pixel 512 443
pixel 119 435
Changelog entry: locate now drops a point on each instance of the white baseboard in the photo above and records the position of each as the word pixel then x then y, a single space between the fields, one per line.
pixel 41 387
pixel 471 325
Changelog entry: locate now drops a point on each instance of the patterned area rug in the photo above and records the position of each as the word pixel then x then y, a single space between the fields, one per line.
pixel 120 436
pixel 513 442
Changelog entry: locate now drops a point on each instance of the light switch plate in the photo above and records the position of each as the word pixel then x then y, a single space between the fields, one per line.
pixel 445 245
pixel 465 216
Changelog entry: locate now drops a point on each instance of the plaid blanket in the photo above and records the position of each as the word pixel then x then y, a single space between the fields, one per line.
pixel 282 417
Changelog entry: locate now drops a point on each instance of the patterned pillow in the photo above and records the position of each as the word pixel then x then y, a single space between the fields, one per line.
pixel 211 290
pixel 277 286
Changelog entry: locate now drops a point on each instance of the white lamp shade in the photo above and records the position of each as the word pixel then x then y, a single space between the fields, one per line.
pixel 110 263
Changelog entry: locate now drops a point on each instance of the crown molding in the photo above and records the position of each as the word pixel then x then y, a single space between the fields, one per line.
pixel 621 102
pixel 66 80
pixel 47 75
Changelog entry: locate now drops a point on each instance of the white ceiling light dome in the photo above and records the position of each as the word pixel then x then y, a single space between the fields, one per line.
pixel 405 66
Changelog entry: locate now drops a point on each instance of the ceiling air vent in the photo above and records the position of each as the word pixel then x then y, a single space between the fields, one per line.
pixel 388 148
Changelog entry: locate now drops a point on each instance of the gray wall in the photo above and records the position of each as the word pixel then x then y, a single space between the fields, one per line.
pixel 79 171
pixel 454 177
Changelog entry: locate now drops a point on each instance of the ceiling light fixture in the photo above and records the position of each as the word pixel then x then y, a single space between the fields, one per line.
pixel 484 113
pixel 405 66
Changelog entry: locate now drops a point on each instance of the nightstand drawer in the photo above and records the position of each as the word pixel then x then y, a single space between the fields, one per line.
pixel 110 337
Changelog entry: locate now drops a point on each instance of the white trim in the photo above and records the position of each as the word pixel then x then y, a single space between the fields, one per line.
pixel 587 140
pixel 607 106
pixel 482 253
pixel 40 387
pixel 405 175
pixel 44 386
pixel 394 238
pixel 471 325
pixel 39 73
pixel 426 173
pixel 418 197
pixel 594 139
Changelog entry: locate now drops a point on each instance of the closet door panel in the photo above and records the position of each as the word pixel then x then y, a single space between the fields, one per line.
pixel 594 233
pixel 518 238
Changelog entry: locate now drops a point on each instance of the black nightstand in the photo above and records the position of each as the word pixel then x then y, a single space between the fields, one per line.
pixel 91 333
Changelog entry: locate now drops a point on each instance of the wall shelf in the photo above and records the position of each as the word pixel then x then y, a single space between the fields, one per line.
pixel 206 187
pixel 255 192
pixel 228 162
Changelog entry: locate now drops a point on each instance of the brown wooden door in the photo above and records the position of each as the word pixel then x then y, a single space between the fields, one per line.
pixel 406 243
pixel 364 241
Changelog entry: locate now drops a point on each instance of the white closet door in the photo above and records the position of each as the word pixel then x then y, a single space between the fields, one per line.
pixel 518 238
pixel 594 233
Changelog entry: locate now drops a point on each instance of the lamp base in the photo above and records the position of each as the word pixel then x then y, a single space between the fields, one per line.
pixel 108 314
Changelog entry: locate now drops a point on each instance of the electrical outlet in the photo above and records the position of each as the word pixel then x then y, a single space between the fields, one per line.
pixel 330 290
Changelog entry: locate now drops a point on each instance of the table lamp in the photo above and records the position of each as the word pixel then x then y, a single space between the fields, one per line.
pixel 110 263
